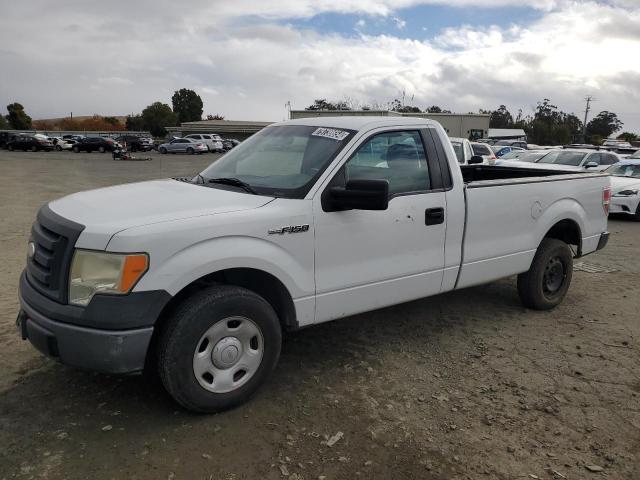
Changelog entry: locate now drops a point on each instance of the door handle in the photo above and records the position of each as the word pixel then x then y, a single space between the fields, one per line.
pixel 434 216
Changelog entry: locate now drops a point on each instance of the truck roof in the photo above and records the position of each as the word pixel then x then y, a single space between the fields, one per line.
pixel 355 122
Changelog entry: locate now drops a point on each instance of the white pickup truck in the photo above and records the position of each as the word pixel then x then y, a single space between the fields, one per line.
pixel 307 221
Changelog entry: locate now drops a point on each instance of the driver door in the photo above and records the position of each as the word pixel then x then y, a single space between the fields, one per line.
pixel 366 260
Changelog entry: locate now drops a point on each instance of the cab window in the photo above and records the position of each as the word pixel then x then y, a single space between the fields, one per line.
pixel 396 156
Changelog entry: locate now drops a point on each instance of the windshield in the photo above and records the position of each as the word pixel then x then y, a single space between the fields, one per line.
pixel 457 147
pixel 480 149
pixel 281 161
pixel 564 158
pixel 523 156
pixel 628 170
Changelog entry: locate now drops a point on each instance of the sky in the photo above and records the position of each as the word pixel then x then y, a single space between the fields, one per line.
pixel 248 59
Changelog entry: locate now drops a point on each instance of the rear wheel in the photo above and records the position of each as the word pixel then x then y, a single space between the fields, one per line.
pixel 34 148
pixel 101 149
pixel 190 151
pixel 58 148
pixel 218 347
pixel 76 149
pixel 162 150
pixel 10 147
pixel 546 283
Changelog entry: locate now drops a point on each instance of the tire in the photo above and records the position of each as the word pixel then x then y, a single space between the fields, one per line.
pixel 546 283
pixel 190 151
pixel 58 148
pixel 76 149
pixel 636 217
pixel 163 150
pixel 134 149
pixel 10 147
pixel 214 313
pixel 34 149
pixel 101 149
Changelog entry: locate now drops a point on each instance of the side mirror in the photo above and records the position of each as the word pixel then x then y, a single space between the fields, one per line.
pixel 359 195
pixel 475 160
pixel 591 165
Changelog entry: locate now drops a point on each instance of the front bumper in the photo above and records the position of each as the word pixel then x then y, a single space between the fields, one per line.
pixel 624 204
pixel 46 324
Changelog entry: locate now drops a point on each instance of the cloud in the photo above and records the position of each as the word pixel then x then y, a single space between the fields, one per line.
pixel 247 60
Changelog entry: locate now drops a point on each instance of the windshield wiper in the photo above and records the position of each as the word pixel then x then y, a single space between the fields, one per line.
pixel 236 182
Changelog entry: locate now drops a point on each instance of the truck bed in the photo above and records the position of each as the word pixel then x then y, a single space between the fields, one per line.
pixel 475 173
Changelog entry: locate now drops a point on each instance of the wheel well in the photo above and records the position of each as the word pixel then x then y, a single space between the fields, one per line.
pixel 569 232
pixel 258 281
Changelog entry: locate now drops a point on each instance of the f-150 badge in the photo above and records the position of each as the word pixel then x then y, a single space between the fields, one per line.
pixel 289 229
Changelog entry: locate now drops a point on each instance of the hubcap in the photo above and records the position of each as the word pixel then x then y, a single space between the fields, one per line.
pixel 554 275
pixel 228 354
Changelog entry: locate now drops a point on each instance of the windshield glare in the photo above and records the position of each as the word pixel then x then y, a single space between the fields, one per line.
pixel 563 158
pixel 624 171
pixel 281 161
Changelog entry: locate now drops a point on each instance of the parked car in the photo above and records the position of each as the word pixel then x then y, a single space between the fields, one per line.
pixel 76 138
pixel 635 155
pixel 482 149
pixel 488 141
pixel 301 225
pixel 625 187
pixel 574 159
pixel 60 144
pixel 213 142
pixel 135 143
pixel 230 143
pixel 512 143
pixel 500 150
pixel 528 156
pixel 463 150
pixel 30 142
pixel 183 145
pixel 95 144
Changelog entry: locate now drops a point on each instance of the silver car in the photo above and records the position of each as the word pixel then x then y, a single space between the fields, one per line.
pixel 183 145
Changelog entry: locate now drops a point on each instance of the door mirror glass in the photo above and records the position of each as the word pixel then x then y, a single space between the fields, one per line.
pixel 476 159
pixel 591 165
pixel 359 195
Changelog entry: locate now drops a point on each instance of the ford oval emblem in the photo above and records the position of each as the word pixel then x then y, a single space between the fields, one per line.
pixel 31 250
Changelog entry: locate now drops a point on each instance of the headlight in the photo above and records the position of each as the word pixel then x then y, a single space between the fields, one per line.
pixel 99 272
pixel 626 193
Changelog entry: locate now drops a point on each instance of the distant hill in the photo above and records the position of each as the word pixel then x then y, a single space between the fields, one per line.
pixel 82 122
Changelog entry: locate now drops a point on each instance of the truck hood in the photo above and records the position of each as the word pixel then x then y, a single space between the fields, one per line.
pixel 624 183
pixel 106 211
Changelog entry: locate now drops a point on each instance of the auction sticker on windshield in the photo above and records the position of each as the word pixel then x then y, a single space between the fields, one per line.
pixel 331 133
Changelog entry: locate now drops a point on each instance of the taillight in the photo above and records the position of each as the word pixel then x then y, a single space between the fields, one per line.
pixel 606 199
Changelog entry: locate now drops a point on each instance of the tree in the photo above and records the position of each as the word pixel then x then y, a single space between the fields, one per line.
pixel 134 123
pixel 604 124
pixel 111 121
pixel 434 109
pixel 17 118
pixel 549 125
pixel 397 106
pixel 628 137
pixel 321 104
pixel 187 105
pixel 156 117
pixel 215 117
pixel 501 118
pixel 3 123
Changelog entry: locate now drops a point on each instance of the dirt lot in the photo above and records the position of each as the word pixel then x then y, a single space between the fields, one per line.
pixel 467 385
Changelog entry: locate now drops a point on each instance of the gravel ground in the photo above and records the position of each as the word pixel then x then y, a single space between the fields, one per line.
pixel 466 385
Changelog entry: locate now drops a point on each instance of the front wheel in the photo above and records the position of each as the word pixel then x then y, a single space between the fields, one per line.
pixel 546 283
pixel 58 148
pixel 190 151
pixel 218 347
pixel 101 149
pixel 34 149
pixel 76 149
pixel 163 150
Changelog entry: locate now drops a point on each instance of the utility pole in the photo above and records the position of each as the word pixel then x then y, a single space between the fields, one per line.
pixel 588 99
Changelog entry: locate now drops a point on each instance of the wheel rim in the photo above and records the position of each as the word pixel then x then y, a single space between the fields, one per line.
pixel 228 354
pixel 554 276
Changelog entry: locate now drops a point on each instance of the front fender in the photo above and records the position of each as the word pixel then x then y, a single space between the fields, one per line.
pixel 213 255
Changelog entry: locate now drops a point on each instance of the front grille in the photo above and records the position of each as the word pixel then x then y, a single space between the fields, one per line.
pixel 54 238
